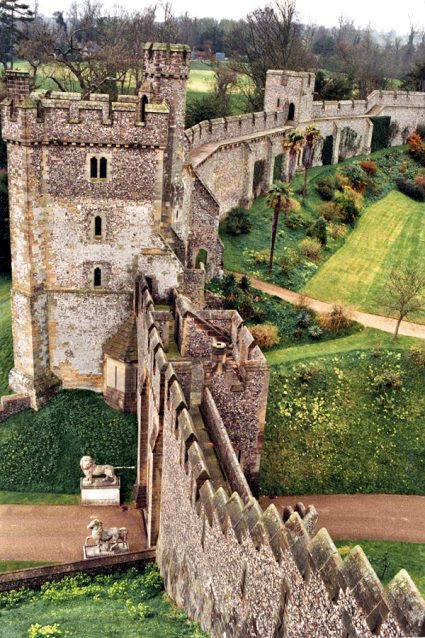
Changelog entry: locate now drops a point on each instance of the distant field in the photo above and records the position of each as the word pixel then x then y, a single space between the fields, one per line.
pixel 389 233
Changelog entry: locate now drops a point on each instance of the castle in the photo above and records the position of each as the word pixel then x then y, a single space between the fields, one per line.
pixel 114 212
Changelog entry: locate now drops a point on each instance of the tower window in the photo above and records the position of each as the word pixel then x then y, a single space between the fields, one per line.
pixel 103 166
pixel 97 277
pixel 278 102
pixel 93 167
pixel 98 167
pixel 98 227
pixel 143 104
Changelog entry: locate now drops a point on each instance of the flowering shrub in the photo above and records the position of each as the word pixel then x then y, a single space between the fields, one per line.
pixel 46 631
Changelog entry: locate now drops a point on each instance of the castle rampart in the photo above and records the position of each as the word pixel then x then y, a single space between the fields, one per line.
pixel 235 569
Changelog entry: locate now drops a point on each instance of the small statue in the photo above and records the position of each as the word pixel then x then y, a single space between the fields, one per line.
pixel 90 469
pixel 107 539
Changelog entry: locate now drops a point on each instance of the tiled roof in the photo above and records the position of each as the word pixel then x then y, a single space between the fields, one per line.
pixel 122 346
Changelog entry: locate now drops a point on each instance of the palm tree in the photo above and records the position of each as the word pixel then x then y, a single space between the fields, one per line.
pixel 277 198
pixel 311 135
pixel 295 141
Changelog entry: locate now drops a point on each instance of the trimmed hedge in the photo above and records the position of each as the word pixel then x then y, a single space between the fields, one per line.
pixel 415 191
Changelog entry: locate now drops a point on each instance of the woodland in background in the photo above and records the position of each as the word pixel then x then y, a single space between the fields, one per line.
pixel 92 49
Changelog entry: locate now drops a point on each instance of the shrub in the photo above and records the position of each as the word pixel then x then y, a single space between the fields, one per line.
pixel 311 248
pixel 319 231
pixel 244 283
pixel 417 355
pixel 290 259
pixel 415 191
pixel 349 205
pixel 266 335
pixel 420 180
pixel 260 256
pixel 337 231
pixel 305 374
pixel 238 222
pixel 303 319
pixel 420 130
pixel 369 167
pixel 327 187
pixel 335 320
pixel 330 212
pixel 388 379
pixel 293 221
pixel 315 332
pixel 356 176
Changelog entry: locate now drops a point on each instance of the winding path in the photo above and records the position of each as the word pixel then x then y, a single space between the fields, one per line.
pixel 407 328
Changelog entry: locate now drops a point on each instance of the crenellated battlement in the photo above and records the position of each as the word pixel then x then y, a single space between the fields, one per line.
pixel 238 569
pixel 234 127
pixel 66 118
pixel 166 60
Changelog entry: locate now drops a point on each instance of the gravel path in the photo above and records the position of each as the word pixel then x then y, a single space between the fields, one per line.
pixel 386 324
pixel 387 517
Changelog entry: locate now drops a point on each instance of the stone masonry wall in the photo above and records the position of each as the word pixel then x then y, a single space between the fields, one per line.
pixel 235 569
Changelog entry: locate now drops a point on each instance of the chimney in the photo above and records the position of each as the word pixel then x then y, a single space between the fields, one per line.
pixel 219 351
pixel 17 85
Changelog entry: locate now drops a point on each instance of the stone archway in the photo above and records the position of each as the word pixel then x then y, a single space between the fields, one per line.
pixel 291 112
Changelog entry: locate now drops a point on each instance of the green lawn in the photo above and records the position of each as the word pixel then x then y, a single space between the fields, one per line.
pixel 367 339
pixel 131 604
pixel 389 233
pixel 13 565
pixel 388 557
pixel 38 498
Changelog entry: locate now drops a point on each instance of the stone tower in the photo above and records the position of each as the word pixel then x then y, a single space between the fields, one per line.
pixel 292 90
pixel 166 69
pixel 86 185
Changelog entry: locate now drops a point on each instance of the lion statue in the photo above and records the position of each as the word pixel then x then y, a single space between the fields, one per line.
pixel 90 469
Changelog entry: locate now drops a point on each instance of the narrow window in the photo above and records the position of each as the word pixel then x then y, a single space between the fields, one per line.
pixel 98 226
pixel 116 376
pixel 97 277
pixel 143 108
pixel 93 167
pixel 278 102
pixel 103 168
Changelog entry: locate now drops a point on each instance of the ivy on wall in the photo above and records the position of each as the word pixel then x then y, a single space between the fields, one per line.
pixel 327 150
pixel 381 135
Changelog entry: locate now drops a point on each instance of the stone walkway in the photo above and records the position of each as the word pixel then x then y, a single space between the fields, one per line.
pixel 56 533
pixel 390 517
pixel 407 328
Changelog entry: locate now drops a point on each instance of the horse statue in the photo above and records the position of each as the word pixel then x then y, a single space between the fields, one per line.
pixel 107 539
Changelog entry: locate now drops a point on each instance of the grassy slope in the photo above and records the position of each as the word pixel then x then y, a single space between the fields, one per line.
pixel 388 557
pixel 6 350
pixel 334 426
pixel 390 232
pixel 72 424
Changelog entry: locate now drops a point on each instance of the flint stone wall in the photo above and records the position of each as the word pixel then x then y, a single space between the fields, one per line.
pixel 242 572
pixel 235 569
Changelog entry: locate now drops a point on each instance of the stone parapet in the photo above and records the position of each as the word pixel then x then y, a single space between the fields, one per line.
pixel 68 119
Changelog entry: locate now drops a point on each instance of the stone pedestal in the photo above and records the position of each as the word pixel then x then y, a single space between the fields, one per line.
pixel 93 551
pixel 99 493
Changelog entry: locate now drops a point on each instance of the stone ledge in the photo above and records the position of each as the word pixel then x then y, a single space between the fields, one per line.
pixel 33 578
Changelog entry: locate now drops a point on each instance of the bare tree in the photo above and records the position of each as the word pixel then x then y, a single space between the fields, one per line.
pixel 404 293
